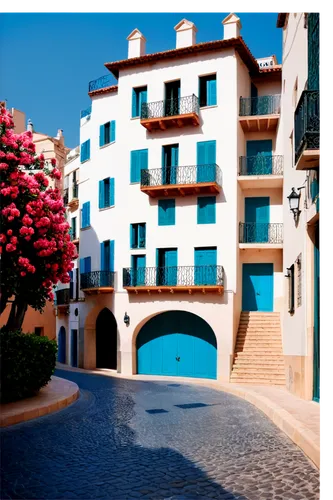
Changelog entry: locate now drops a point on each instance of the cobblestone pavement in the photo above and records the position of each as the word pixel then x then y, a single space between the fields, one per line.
pixel 110 444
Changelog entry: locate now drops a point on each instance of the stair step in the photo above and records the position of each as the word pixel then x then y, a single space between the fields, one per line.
pixel 248 381
pixel 263 337
pixel 273 369
pixel 261 351
pixel 259 376
pixel 255 343
pixel 257 362
pixel 259 313
pixel 259 324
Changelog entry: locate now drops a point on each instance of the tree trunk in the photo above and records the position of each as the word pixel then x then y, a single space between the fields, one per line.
pixel 17 313
pixel 3 302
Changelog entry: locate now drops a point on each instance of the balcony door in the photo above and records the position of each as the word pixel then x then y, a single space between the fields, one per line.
pixel 206 161
pixel 107 262
pixel 172 98
pixel 139 270
pixel 167 266
pixel 259 157
pixel 205 261
pixel 169 163
pixel 256 220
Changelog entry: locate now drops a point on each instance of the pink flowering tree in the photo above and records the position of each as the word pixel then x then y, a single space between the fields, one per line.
pixel 36 251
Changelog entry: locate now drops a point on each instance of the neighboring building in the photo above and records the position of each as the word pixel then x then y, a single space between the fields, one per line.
pixel 300 119
pixel 181 230
pixel 52 147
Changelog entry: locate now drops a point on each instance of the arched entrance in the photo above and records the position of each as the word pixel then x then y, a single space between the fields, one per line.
pixel 177 343
pixel 106 340
pixel 62 345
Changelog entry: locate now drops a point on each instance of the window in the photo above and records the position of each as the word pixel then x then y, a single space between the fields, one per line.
pixel 291 279
pixel 139 96
pixel 139 161
pixel 106 193
pixel 299 280
pixel 85 265
pixel 39 330
pixel 206 212
pixel 107 255
pixel 85 215
pixel 73 228
pixel 207 90
pixel 166 212
pixel 85 151
pixel 107 133
pixel 138 235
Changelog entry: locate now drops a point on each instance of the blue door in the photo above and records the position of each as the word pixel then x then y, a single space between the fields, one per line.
pixel 259 157
pixel 256 220
pixel 205 261
pixel 169 164
pixel 206 161
pixel 139 270
pixel 177 343
pixel 62 345
pixel 257 287
pixel 74 348
pixel 167 266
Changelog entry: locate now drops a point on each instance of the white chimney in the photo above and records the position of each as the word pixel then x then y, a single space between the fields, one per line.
pixel 30 126
pixel 136 44
pixel 232 26
pixel 59 134
pixel 185 34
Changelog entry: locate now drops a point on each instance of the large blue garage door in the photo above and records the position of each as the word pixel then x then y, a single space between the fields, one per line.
pixel 177 343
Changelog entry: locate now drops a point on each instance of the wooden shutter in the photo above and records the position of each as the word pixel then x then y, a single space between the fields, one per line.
pixel 86 213
pixel 171 212
pixel 142 236
pixel 211 92
pixel 82 266
pixel 134 166
pixel 112 193
pixel 111 266
pixel 87 264
pixel 102 264
pixel 101 201
pixel 134 106
pixel 113 131
pixel 133 241
pixel 206 210
pixel 142 99
pixel 143 162
pixel 101 136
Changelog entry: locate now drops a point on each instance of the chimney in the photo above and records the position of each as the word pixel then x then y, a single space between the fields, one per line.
pixel 185 34
pixel 232 26
pixel 30 126
pixel 59 134
pixel 136 44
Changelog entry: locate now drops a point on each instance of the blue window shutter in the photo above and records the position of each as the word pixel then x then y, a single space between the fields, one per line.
pixel 142 99
pixel 201 153
pixel 174 156
pixel 134 106
pixel 111 187
pixel 87 264
pixel 111 267
pixel 161 213
pixel 84 215
pixel 211 152
pixel 82 266
pixel 206 210
pixel 142 235
pixel 132 236
pixel 134 166
pixel 211 210
pixel 102 268
pixel 88 213
pixel 113 131
pixel 211 92
pixel 143 161
pixel 166 212
pixel 83 153
pixel 171 213
pixel 101 195
pixel 101 136
pixel 200 211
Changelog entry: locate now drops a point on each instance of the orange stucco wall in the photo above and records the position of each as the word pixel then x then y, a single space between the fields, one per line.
pixel 34 319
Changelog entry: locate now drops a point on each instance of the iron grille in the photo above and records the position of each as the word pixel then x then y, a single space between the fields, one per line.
pixel 261 165
pixel 307 122
pixel 260 232
pixel 173 276
pixel 100 83
pixel 193 174
pixel 97 279
pixel 86 112
pixel 170 107
pixel 313 51
pixel 63 297
pixel 262 105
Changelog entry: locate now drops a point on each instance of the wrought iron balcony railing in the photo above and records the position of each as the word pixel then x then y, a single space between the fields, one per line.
pixel 97 279
pixel 307 122
pixel 86 112
pixel 101 82
pixel 65 197
pixel 260 232
pixel 174 276
pixel 63 297
pixel 75 191
pixel 261 165
pixel 170 107
pixel 193 174
pixel 262 105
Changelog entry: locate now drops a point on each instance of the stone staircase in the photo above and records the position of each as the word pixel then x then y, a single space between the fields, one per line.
pixel 258 355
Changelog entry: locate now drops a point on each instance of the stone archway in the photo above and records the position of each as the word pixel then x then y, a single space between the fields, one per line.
pixel 106 340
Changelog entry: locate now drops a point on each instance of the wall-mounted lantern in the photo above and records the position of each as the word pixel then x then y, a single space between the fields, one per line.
pixel 126 319
pixel 294 199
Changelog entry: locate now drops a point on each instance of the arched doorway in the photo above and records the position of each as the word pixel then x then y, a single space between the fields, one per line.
pixel 106 340
pixel 177 343
pixel 62 345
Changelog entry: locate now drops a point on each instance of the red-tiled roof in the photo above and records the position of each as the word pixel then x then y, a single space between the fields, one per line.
pixel 273 69
pixel 237 43
pixel 105 90
pixel 281 19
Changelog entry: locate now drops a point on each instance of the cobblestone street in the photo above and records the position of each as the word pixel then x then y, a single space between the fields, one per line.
pixel 128 439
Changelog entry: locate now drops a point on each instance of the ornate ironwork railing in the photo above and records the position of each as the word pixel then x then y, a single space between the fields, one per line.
pixel 261 165
pixel 75 191
pixel 101 82
pixel 63 297
pixel 86 112
pixel 307 121
pixel 193 174
pixel 262 105
pixel 173 276
pixel 170 107
pixel 260 232
pixel 97 279
pixel 65 197
pixel 313 51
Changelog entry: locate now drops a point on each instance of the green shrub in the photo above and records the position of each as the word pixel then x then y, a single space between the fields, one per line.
pixel 26 362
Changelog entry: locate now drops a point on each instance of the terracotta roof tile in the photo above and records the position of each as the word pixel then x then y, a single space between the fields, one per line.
pixel 105 90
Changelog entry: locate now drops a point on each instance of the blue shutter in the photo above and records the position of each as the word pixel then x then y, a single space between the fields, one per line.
pixel 101 201
pixel 83 215
pixel 201 211
pixel 134 166
pixel 142 235
pixel 211 92
pixel 111 187
pixel 111 266
pixel 166 212
pixel 87 205
pixel 134 107
pixel 102 264
pixel 142 99
pixel 87 264
pixel 83 152
pixel 101 136
pixel 82 267
pixel 201 153
pixel 132 236
pixel 171 212
pixel 143 161
pixel 206 210
pixel 113 131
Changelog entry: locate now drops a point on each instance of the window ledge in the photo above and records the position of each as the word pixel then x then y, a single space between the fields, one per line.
pixel 84 228
pixel 208 107
pixel 138 248
pixel 136 182
pixel 135 118
pixel 106 145
pixel 106 208
pixel 85 161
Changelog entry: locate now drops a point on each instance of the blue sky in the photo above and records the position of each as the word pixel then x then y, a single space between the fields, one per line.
pixel 47 60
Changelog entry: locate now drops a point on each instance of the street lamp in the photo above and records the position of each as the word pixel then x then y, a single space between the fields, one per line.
pixel 126 319
pixel 294 199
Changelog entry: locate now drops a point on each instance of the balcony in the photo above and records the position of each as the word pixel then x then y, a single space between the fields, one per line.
pixel 260 171
pixel 307 121
pixel 260 235
pixel 204 279
pixel 97 282
pixel 85 113
pixel 259 114
pixel 74 203
pixel 162 115
pixel 62 299
pixel 101 83
pixel 181 181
